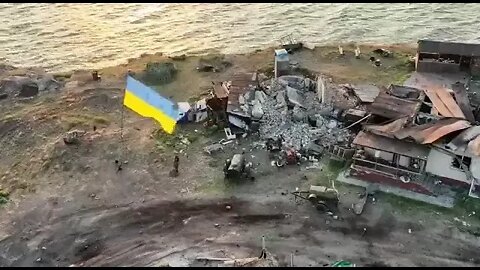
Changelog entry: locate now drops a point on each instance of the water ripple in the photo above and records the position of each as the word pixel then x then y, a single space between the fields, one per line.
pixel 69 36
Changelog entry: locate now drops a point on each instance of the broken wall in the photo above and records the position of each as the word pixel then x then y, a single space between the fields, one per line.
pixel 437 67
pixel 440 164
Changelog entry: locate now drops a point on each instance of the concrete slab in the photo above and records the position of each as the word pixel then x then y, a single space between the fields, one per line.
pixel 423 80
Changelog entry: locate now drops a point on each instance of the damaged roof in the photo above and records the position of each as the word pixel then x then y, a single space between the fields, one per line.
pixel 468 141
pixel 391 145
pixel 392 107
pixel 463 102
pixel 241 83
pixel 389 129
pixel 431 132
pixel 444 102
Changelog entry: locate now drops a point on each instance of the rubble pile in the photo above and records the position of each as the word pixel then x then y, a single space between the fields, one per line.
pixel 297 116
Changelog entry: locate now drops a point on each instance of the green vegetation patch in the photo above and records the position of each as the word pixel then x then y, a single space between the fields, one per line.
pixel 4 198
pixel 329 172
pixel 159 73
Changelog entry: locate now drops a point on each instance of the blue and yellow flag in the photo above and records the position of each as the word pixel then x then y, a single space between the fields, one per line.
pixel 148 103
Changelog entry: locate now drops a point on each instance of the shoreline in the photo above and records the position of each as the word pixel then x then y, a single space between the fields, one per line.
pixel 126 61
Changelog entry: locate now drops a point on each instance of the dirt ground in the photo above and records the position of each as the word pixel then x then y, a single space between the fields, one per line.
pixel 70 205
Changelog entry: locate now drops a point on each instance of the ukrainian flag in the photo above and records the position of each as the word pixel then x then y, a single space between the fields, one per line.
pixel 148 103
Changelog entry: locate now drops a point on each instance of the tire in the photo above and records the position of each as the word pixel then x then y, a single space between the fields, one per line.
pixel 321 207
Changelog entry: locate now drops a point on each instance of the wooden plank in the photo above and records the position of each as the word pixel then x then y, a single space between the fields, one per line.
pixel 462 100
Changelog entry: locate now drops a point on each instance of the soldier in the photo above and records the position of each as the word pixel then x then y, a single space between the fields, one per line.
pixel 176 161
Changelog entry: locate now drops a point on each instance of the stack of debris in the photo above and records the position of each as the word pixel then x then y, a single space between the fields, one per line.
pixel 288 107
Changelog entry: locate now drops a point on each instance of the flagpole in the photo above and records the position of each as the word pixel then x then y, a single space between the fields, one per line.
pixel 122 115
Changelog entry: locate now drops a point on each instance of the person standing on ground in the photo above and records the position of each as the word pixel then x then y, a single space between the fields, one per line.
pixel 176 162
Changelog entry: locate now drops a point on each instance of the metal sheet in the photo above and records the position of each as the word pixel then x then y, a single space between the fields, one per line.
pixel 462 100
pixel 241 83
pixel 431 132
pixel 444 102
pixel 392 107
pixel 464 138
pixel 391 145
pixel 388 129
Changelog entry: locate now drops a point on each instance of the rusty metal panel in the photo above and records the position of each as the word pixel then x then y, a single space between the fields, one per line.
pixel 391 145
pixel 438 104
pixel 393 107
pixel 463 101
pixel 388 129
pixel 241 84
pixel 444 102
pixel 431 132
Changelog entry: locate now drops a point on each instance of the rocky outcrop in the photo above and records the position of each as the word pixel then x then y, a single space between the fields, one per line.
pixel 28 85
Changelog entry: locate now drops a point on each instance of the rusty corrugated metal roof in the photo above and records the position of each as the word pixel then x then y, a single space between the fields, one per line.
pixel 461 97
pixel 444 102
pixel 387 129
pixel 393 107
pixel 429 133
pixel 391 145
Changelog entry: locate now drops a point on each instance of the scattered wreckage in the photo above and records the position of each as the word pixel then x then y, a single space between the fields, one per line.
pixel 237 168
pixel 393 135
pixel 323 198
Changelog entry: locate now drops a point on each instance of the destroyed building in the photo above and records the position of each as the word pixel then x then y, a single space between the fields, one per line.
pixel 449 57
pixel 424 136
pixel 421 136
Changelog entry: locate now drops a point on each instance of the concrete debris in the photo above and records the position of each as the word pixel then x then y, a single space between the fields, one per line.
pixel 257 110
pixel 210 149
pixel 73 137
pixel 292 123
pixel 295 97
